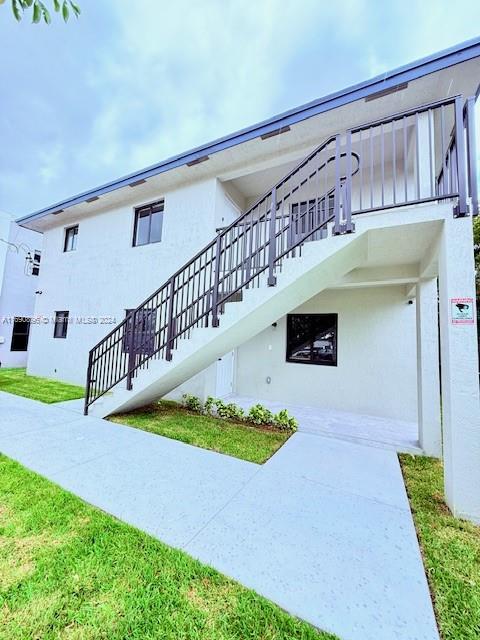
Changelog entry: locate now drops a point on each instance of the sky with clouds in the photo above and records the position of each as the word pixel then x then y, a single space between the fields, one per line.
pixel 134 81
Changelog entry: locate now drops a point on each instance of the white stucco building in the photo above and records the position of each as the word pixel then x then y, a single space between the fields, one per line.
pixel 20 255
pixel 300 260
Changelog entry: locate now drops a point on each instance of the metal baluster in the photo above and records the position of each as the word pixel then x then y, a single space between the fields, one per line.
pixel 89 383
pixel 405 157
pixel 347 214
pixel 472 156
pixel 444 151
pixel 337 229
pixel 371 168
pixel 417 156
pixel 131 350
pixel 272 280
pixel 394 164
pixel 170 328
pixel 216 280
pixel 382 162
pixel 431 151
pixel 461 209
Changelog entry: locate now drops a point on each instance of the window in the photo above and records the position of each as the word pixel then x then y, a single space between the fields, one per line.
pixel 21 330
pixel 61 324
pixel 148 224
pixel 37 256
pixel 71 234
pixel 312 338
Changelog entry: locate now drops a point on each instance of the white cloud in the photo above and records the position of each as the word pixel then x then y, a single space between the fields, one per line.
pixel 51 163
pixel 193 71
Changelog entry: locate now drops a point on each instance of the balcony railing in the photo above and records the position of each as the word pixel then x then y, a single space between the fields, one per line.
pixel 413 157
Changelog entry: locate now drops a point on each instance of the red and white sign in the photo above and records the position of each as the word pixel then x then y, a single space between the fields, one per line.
pixel 461 310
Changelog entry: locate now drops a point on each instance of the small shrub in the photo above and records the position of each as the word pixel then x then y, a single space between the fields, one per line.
pixel 209 405
pixel 259 414
pixel 192 402
pixel 234 412
pixel 283 420
pixel 220 408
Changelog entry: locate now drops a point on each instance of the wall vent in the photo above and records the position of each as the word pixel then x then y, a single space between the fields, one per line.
pixel 386 92
pixel 277 132
pixel 192 163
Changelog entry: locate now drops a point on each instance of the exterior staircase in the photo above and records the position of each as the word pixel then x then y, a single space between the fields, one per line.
pixel 297 240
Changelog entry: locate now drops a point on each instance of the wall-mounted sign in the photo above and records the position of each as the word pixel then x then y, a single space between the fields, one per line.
pixel 461 310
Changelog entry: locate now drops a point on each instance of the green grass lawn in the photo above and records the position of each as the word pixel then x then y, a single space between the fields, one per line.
pixel 18 382
pixel 451 550
pixel 68 570
pixel 236 439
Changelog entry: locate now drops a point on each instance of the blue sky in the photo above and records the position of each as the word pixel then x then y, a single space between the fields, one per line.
pixel 132 82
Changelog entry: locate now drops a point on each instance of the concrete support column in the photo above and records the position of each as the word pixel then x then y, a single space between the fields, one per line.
pixel 459 364
pixel 425 154
pixel 428 370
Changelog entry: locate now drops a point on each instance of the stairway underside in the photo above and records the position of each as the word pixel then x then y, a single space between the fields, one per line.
pixel 322 265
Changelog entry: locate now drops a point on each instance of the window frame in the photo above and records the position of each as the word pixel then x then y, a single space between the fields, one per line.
pixel 36 263
pixel 288 349
pixel 16 320
pixel 63 324
pixel 136 216
pixel 67 230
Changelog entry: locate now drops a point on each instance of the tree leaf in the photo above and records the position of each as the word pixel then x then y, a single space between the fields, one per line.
pixel 37 13
pixel 75 8
pixel 16 10
pixel 65 11
pixel 46 14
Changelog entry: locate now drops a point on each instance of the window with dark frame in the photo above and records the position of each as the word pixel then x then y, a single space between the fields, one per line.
pixel 148 223
pixel 37 256
pixel 20 333
pixel 70 243
pixel 61 324
pixel 312 338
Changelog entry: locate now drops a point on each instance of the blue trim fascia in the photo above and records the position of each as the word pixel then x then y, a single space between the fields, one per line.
pixel 407 73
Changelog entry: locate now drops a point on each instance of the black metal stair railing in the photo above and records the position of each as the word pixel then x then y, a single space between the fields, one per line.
pixel 399 160
pixel 257 242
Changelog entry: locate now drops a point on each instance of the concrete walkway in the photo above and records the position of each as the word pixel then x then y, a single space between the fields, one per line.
pixel 323 529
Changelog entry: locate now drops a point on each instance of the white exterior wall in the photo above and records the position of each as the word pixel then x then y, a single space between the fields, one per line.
pixel 5 222
pixel 17 292
pixel 376 370
pixel 106 275
pixel 229 204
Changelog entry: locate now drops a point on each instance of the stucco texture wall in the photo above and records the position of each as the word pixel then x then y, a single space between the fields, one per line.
pixel 106 275
pixel 376 370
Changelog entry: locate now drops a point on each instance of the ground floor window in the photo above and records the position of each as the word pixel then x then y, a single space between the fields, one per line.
pixel 312 338
pixel 20 333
